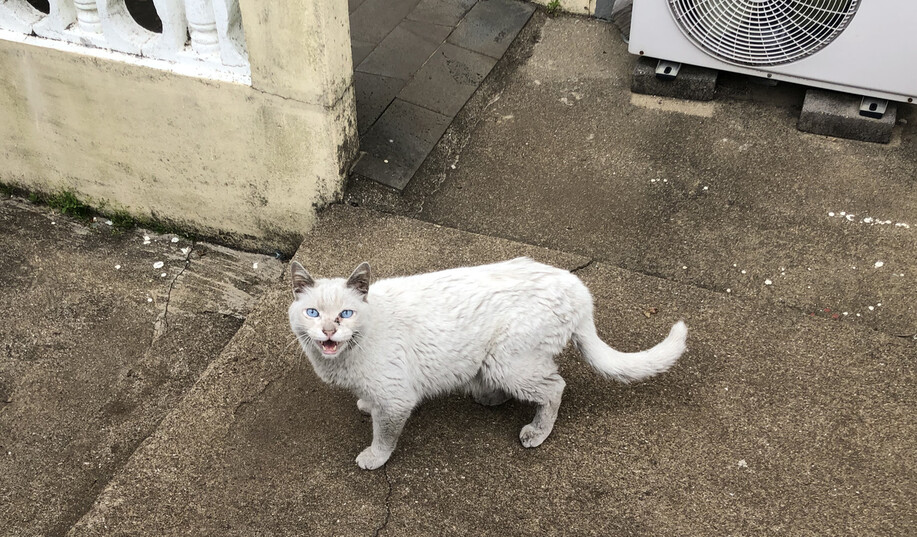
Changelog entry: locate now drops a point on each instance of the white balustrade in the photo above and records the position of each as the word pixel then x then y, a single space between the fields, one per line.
pixel 217 40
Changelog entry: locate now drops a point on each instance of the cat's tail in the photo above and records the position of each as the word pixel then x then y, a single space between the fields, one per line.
pixel 629 366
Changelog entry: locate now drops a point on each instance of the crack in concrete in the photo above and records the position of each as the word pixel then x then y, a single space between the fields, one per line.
pixel 584 266
pixel 388 503
pixel 165 314
pixel 340 97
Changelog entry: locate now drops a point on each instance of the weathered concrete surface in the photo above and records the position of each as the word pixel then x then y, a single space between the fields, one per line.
pixel 94 355
pixel 723 195
pixel 773 422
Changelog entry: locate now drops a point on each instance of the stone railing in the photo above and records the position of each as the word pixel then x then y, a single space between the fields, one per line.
pixel 193 37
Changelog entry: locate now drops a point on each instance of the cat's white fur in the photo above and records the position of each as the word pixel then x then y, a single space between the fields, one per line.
pixel 492 331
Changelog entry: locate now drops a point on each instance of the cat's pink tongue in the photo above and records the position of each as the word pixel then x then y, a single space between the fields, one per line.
pixel 329 347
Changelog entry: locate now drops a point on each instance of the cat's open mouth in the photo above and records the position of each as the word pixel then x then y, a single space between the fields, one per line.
pixel 330 347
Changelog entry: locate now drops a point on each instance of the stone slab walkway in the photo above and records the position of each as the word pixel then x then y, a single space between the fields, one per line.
pixel 416 64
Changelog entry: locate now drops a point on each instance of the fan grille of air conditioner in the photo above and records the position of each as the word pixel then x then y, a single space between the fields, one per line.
pixel 762 32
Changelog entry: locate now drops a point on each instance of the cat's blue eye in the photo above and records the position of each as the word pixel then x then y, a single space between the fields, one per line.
pixel 346 313
pixel 312 312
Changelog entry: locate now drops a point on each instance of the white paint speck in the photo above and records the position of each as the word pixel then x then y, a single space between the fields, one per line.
pixel 453 166
pixel 879 305
pixel 845 314
pixel 684 267
pixel 743 464
pixel 830 214
pixel 185 250
pixel 706 188
pixel 255 266
pixel 768 282
pixel 858 315
pixel 174 239
pixel 385 161
pixel 158 264
pixel 163 275
pixel 117 267
pixel 108 223
pixel 53 223
pixel 879 264
pixel 728 290
pixel 148 299
pixel 743 271
pixel 871 308
pixel 843 213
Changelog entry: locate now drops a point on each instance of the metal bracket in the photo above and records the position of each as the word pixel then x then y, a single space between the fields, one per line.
pixel 667 70
pixel 872 107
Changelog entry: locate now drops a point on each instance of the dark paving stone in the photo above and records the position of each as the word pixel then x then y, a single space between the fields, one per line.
pixel 448 79
pixel 491 26
pixel 404 50
pixel 444 12
pixel 374 94
pixel 387 173
pixel 375 19
pixel 352 5
pixel 403 136
pixel 360 50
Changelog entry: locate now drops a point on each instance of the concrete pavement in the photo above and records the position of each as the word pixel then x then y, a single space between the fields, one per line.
pixel 103 332
pixel 773 422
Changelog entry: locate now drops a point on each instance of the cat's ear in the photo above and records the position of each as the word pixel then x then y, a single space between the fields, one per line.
pixel 302 280
pixel 359 280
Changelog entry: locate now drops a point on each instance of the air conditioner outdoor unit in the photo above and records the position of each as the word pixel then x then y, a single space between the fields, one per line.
pixel 864 47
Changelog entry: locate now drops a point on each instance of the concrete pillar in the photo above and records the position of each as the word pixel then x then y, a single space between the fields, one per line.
pixel 299 49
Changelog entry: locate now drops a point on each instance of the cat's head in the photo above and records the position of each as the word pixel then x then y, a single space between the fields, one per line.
pixel 328 313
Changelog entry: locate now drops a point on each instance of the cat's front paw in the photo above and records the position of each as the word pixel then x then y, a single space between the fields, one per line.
pixel 364 407
pixel 370 460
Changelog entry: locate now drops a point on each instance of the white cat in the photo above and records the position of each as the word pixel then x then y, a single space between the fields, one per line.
pixel 491 331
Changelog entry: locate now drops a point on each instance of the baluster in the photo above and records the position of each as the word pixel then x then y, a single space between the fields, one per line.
pixel 203 27
pixel 87 16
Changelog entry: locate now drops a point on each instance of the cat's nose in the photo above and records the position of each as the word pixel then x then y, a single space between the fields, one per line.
pixel 330 332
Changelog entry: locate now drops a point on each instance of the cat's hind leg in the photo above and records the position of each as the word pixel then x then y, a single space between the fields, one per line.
pixel 542 386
